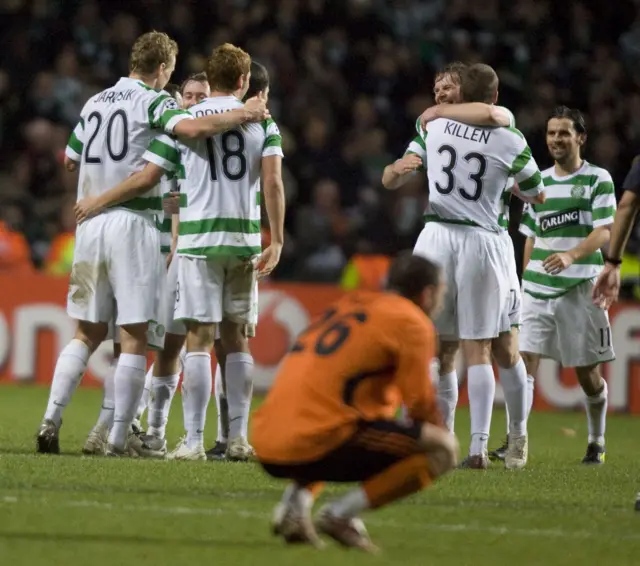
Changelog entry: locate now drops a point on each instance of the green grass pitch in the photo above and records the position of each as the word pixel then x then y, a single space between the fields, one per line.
pixel 70 510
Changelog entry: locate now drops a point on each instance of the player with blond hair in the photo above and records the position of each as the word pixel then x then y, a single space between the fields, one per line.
pixel 117 265
pixel 219 248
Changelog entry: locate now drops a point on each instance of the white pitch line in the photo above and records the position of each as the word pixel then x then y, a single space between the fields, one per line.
pixel 382 523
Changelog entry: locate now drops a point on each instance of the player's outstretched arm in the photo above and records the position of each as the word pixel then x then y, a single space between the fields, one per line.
pixel 254 110
pixel 274 201
pixel 400 171
pixel 131 187
pixel 473 113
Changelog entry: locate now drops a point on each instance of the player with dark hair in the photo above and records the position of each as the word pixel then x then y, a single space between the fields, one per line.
pixel 562 259
pixel 329 416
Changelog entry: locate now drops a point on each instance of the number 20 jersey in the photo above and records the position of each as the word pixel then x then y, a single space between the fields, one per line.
pixel 115 128
pixel 468 169
pixel 221 182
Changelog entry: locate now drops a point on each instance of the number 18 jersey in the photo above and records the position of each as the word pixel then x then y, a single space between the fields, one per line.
pixel 221 183
pixel 468 169
pixel 115 128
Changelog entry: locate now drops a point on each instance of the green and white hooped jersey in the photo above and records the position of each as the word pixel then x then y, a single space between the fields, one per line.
pixel 574 207
pixel 418 147
pixel 116 126
pixel 220 181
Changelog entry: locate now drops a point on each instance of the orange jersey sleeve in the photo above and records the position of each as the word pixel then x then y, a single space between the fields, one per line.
pixel 343 369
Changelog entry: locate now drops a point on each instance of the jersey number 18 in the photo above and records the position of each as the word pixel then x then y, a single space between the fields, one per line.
pixel 229 152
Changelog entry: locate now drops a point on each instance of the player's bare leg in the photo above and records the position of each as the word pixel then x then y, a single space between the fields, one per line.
pixel 482 387
pixel 166 375
pixel 513 376
pixel 219 450
pixel 196 390
pixel 339 519
pixel 128 384
pixel 70 367
pixel 96 443
pixel 448 382
pixel 595 389
pixel 238 381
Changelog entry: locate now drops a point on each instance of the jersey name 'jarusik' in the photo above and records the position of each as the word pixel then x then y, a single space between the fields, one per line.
pixel 115 128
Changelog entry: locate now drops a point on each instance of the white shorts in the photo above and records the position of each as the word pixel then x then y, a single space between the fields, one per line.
pixel 569 329
pixel 117 270
pixel 248 330
pixel 475 264
pixel 514 310
pixel 212 289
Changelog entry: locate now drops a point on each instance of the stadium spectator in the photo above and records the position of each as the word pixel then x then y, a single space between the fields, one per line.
pixel 349 78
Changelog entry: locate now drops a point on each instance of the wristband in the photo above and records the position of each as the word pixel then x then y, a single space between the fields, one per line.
pixel 612 261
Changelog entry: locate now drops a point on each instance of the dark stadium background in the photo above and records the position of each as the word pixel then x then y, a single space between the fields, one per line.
pixel 348 80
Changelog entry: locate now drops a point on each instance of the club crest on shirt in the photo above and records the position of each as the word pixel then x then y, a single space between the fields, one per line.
pixel 577 191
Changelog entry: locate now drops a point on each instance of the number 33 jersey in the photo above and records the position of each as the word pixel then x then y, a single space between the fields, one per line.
pixel 115 128
pixel 468 168
pixel 220 181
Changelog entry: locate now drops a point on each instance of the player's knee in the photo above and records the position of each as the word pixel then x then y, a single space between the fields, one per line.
pixel 505 351
pixel 133 338
pixel 447 356
pixel 167 359
pixel 477 352
pixel 590 379
pixel 232 337
pixel 441 448
pixel 92 334
pixel 200 337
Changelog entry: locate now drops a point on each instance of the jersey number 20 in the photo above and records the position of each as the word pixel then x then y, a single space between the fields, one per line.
pixel 96 117
pixel 451 180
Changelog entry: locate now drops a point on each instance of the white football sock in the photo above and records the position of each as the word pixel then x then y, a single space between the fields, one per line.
pixel 144 400
pixel 351 504
pixel 219 394
pixel 514 384
pixel 108 397
pixel 239 379
pixel 597 415
pixel 198 383
pixel 182 356
pixel 129 383
pixel 482 388
pixel 162 391
pixel 530 388
pixel 448 398
pixel 70 367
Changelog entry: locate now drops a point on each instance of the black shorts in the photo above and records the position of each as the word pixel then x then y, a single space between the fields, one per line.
pixel 375 446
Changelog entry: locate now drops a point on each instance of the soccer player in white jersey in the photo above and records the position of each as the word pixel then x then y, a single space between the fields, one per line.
pixel 239 451
pixel 219 237
pixel 468 169
pixel 117 263
pixel 562 260
pixel 504 348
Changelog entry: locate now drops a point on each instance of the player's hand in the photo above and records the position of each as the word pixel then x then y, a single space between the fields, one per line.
pixel 429 115
pixel 171 203
pixel 407 164
pixel 169 258
pixel 70 165
pixel 268 260
pixel 256 109
pixel 86 208
pixel 557 262
pixel 607 287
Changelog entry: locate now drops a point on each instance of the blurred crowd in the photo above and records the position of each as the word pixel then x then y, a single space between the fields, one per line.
pixel 348 79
